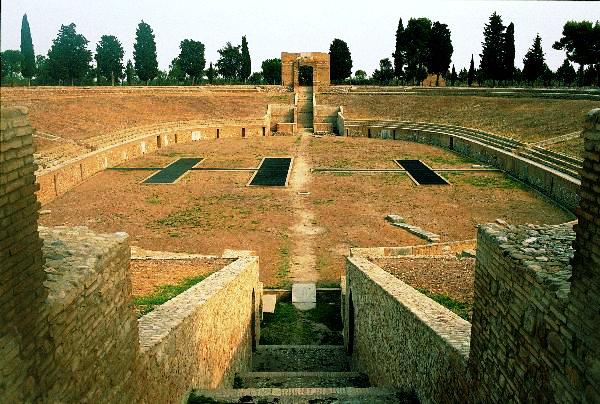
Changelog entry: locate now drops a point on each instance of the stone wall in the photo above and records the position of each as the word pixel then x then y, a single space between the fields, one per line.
pixel 59 179
pixel 93 328
pixel 21 274
pixel 291 62
pixel 202 337
pixel 583 311
pixel 451 247
pixel 401 338
pixel 556 185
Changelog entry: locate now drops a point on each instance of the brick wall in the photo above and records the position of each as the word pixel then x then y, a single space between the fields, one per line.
pixel 21 275
pixel 583 315
pixel 93 327
pixel 202 337
pixel 401 338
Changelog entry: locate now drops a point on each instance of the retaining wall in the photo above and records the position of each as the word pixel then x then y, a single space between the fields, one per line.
pixel 403 339
pixel 93 328
pixel 58 180
pixel 452 247
pixel 202 337
pixel 558 186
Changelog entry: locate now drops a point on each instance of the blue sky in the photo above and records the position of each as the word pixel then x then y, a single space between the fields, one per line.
pixel 275 26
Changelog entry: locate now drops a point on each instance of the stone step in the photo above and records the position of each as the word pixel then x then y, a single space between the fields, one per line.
pixel 300 358
pixel 301 379
pixel 372 395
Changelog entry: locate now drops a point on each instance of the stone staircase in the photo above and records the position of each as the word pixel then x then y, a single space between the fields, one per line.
pixel 301 374
pixel 305 109
pixel 557 161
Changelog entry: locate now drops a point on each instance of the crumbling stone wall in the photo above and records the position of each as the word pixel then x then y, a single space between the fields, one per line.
pixel 536 318
pixel 401 338
pixel 202 337
pixel 93 327
pixel 290 66
pixel 22 329
pixel 583 311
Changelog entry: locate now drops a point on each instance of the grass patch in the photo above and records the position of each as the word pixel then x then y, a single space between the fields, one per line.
pixel 323 201
pixel 328 284
pixel 153 200
pixel 298 140
pixel 459 308
pixel 290 326
pixel 283 269
pixel 489 181
pixel 447 160
pixel 163 293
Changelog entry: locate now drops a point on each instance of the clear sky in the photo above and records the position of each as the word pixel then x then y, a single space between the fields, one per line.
pixel 368 26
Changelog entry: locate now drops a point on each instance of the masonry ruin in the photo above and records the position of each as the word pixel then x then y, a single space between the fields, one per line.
pixel 292 63
pixel 69 332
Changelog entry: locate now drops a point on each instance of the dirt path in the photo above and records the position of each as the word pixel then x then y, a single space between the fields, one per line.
pixel 303 232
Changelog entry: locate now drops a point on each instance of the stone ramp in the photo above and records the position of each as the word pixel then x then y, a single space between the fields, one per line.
pixel 301 379
pixel 372 395
pixel 300 358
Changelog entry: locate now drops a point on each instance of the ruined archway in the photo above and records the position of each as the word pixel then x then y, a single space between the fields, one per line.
pixel 293 63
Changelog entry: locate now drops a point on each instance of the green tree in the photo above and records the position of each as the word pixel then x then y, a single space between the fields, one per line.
pixel 230 62
pixel 256 78
pixel 176 73
pixel 416 40
pixel 581 42
pixel 399 51
pixel 491 65
pixel 534 62
pixel 440 50
pixel 144 53
pixel 109 58
pixel 191 59
pixel 471 74
pixel 453 76
pixel 68 57
pixel 360 75
pixel 246 67
pixel 28 55
pixel 42 75
pixel 10 61
pixel 129 72
pixel 271 71
pixel 340 60
pixel 211 73
pixel 385 73
pixel 508 53
pixel 462 75
pixel 566 73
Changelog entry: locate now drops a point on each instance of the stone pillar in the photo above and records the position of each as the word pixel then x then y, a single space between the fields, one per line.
pixel 22 293
pixel 584 305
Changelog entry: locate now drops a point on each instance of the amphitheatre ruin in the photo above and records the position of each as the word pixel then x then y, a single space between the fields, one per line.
pixel 338 243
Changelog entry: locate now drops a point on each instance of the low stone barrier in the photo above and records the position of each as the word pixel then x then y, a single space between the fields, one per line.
pixel 451 247
pixel 403 339
pixel 57 180
pixel 203 336
pixel 558 186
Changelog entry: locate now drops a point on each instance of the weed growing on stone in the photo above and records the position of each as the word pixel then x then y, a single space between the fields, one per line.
pixel 153 200
pixel 163 293
pixel 459 308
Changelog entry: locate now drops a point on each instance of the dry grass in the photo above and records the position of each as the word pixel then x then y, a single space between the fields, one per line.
pixel 528 119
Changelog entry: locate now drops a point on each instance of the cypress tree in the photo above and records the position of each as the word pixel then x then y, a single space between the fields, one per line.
pixel 246 68
pixel 27 53
pixel 399 51
pixel 129 72
pixel 144 53
pixel 341 60
pixel 534 62
pixel 210 73
pixel 508 54
pixel 453 76
pixel 491 65
pixel 471 74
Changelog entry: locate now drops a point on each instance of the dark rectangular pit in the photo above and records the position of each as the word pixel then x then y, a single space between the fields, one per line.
pixel 173 171
pixel 420 173
pixel 273 172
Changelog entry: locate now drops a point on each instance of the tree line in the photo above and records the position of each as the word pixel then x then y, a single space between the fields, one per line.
pixel 69 61
pixel 422 48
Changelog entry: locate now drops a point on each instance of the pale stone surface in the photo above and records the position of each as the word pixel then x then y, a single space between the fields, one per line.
pixel 304 295
pixel 268 303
